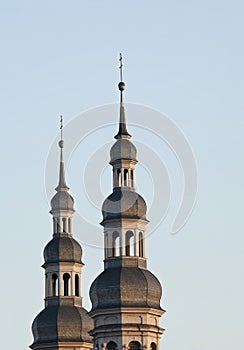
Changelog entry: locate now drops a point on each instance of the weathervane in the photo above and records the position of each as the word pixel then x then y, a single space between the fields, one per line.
pixel 121 66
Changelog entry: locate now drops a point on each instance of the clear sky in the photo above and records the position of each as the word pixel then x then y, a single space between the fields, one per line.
pixel 182 58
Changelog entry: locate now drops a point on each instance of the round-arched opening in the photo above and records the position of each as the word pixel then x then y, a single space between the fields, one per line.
pixel 153 346
pixel 132 178
pixel 134 345
pixel 66 279
pixel 115 243
pixel 129 239
pixel 126 177
pixel 106 246
pixel 118 180
pixel 58 226
pixel 77 285
pixel 46 285
pixel 54 226
pixel 111 345
pixel 63 224
pixel 54 291
pixel 141 253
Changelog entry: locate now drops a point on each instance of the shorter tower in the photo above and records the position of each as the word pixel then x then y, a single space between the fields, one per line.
pixel 63 323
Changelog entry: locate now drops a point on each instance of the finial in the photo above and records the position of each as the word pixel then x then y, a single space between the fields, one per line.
pixel 61 126
pixel 122 133
pixel 61 142
pixel 62 183
pixel 121 84
pixel 121 66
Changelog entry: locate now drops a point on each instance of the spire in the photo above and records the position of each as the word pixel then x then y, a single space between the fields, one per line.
pixel 122 133
pixel 62 203
pixel 62 186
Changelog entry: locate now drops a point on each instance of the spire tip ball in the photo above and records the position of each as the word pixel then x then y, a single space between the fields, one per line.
pixel 121 86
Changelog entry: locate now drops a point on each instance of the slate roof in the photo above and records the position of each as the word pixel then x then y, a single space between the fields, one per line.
pixel 62 248
pixel 62 323
pixel 62 200
pixel 124 203
pixel 123 149
pixel 125 287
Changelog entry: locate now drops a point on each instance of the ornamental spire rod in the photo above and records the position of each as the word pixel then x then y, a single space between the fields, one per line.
pixel 122 133
pixel 62 186
pixel 61 127
pixel 121 66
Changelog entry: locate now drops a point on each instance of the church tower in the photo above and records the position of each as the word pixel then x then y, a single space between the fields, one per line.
pixel 126 295
pixel 63 324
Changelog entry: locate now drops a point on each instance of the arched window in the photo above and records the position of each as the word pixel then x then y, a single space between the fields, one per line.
pixel 46 286
pixel 66 278
pixel 115 244
pixel 77 289
pixel 118 177
pixel 58 226
pixel 54 285
pixel 141 253
pixel 132 178
pixel 129 241
pixel 111 345
pixel 134 345
pixel 126 177
pixel 64 224
pixel 153 346
pixel 106 246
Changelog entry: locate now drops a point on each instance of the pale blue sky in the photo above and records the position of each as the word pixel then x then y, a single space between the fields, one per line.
pixel 183 58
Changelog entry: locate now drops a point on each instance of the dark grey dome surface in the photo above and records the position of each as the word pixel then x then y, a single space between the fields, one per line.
pixel 123 203
pixel 125 287
pixel 123 149
pixel 62 200
pixel 62 248
pixel 62 323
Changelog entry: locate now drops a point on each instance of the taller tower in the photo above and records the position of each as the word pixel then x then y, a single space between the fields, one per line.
pixel 63 323
pixel 126 295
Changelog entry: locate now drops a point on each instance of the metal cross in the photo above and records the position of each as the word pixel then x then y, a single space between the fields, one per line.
pixel 121 66
pixel 61 126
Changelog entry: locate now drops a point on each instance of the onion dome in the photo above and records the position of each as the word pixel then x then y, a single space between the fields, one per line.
pixel 125 287
pixel 123 203
pixel 62 201
pixel 62 248
pixel 62 323
pixel 123 149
